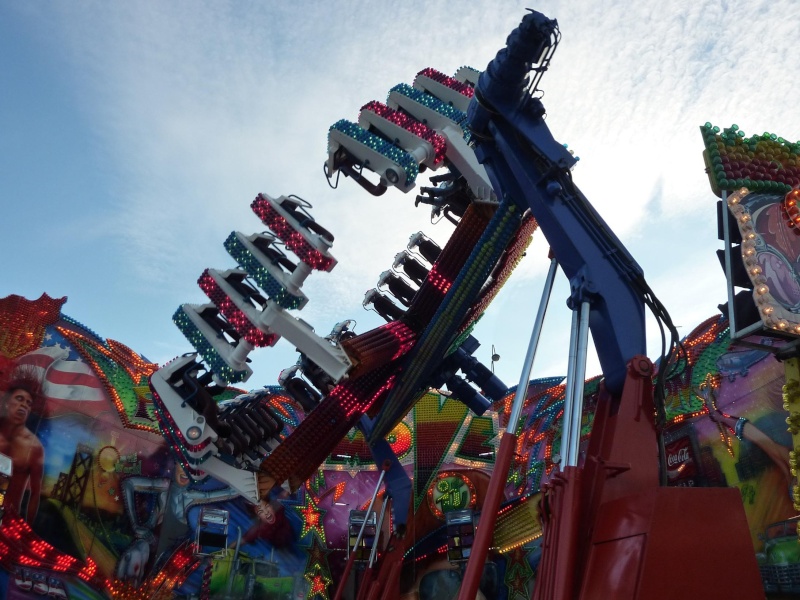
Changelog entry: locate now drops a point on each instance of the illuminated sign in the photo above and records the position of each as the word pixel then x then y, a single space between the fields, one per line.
pixel 450 491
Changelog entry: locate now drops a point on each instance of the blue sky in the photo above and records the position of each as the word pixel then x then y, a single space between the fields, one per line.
pixel 133 137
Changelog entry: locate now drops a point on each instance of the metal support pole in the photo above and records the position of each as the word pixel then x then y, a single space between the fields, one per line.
pixel 726 220
pixel 569 392
pixel 234 564
pixel 373 553
pixel 485 530
pixel 577 390
pixel 349 566
pixel 530 355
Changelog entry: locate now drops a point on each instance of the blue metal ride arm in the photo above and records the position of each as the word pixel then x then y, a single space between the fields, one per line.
pixel 527 165
pixel 398 484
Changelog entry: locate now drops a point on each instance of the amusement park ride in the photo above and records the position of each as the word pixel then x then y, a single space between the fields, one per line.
pixel 611 524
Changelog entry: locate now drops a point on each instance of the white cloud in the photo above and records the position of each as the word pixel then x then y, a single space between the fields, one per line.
pixel 197 107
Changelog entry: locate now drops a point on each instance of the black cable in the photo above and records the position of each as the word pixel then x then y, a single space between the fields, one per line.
pixel 335 185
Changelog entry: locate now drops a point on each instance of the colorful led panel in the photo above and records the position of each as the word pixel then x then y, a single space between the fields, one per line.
pixel 761 163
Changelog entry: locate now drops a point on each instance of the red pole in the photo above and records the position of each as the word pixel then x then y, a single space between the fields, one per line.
pixel 494 495
pixel 483 535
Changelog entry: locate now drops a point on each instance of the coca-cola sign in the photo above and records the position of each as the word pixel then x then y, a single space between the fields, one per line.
pixel 678 458
pixel 681 464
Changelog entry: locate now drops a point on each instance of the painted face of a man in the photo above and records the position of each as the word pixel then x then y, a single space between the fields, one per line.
pixel 18 406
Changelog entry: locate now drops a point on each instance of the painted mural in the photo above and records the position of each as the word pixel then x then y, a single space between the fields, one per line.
pixel 95 505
